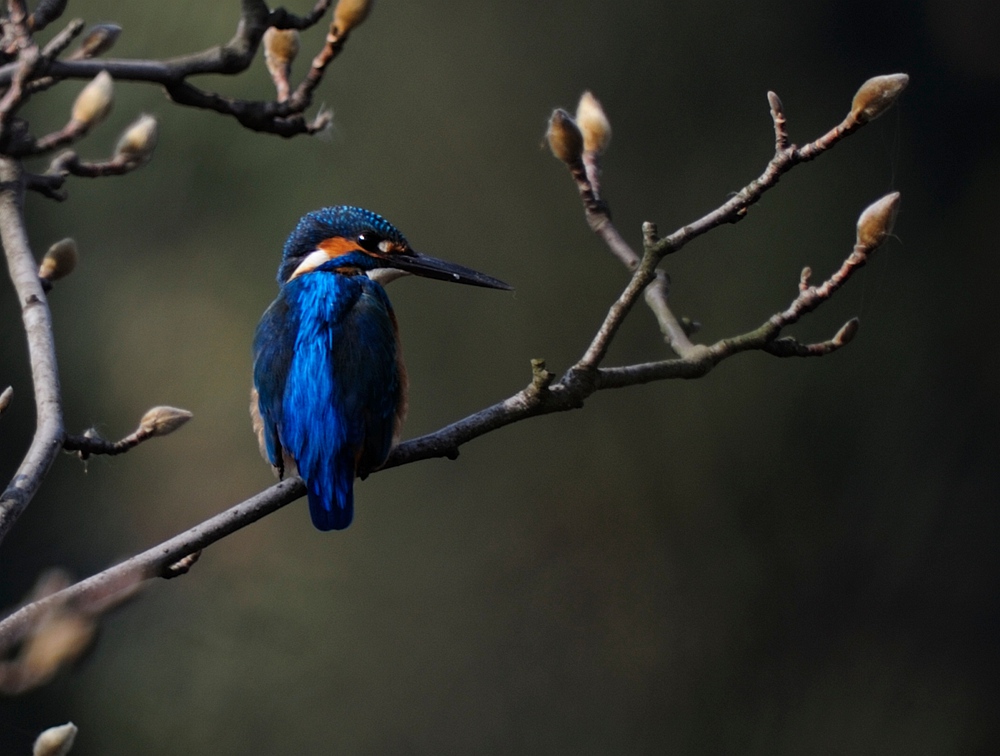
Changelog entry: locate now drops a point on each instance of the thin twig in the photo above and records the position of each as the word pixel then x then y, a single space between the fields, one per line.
pixel 62 40
pixel 282 118
pixel 731 211
pixel 657 296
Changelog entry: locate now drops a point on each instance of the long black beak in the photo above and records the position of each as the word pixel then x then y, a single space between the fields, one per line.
pixel 431 267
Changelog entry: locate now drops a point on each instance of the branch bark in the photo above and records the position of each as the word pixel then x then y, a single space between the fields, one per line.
pixel 281 118
pixel 543 395
pixel 37 319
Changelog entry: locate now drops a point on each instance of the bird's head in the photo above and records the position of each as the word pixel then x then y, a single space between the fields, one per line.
pixel 353 241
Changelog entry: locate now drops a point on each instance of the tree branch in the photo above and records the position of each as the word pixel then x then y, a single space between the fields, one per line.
pixel 282 118
pixel 542 395
pixel 41 348
pixel 95 593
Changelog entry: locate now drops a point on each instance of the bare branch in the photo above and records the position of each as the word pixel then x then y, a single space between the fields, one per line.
pixel 129 156
pixel 787 346
pixel 540 397
pixel 282 118
pixel 94 593
pixel 63 39
pixel 27 63
pixel 784 160
pixel 282 19
pixel 47 185
pixel 674 333
pixel 543 395
pixel 41 348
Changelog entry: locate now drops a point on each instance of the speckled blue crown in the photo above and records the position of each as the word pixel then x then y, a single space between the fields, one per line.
pixel 341 220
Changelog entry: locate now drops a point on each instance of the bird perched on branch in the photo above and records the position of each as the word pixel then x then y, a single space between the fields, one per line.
pixel 329 382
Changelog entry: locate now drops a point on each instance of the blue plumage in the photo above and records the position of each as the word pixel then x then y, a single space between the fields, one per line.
pixel 329 383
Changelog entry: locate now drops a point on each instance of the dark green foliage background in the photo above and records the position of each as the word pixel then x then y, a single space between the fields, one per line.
pixel 786 557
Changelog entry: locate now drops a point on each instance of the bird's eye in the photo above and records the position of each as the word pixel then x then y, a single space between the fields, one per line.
pixel 369 241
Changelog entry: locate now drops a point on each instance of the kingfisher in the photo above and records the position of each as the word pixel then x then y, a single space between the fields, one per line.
pixel 329 394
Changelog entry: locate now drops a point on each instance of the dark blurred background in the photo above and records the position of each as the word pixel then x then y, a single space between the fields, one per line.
pixel 786 557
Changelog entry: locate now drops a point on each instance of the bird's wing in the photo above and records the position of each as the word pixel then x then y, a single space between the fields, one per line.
pixel 273 346
pixel 368 375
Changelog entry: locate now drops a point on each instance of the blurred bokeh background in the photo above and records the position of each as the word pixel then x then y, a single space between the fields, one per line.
pixel 785 557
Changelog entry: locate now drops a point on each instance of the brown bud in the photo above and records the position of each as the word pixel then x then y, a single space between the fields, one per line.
pixel 565 139
pixel 775 103
pixel 161 421
pixel 877 95
pixel 877 220
pixel 94 102
pixel 847 332
pixel 99 39
pixel 281 45
pixel 350 13
pixel 138 141
pixel 58 641
pixel 59 261
pixel 593 123
pixel 55 741
pixel 5 396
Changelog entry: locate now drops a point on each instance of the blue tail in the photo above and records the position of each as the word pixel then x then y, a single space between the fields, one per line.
pixel 331 495
pixel 331 515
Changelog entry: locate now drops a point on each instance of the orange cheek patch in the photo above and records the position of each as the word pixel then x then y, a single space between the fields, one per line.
pixel 326 250
pixel 338 245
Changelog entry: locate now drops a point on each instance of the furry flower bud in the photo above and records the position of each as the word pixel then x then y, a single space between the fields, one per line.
pixel 593 124
pixel 161 421
pixel 877 95
pixel 350 13
pixel 94 102
pixel 847 332
pixel 280 46
pixel 565 139
pixel 138 141
pixel 877 220
pixel 55 741
pixel 59 261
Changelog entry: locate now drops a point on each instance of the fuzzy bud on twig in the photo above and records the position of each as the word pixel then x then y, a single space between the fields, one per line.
pixel 350 13
pixel 593 124
pixel 58 641
pixel 565 139
pixel 59 261
pixel 99 39
pixel 281 45
pixel 138 141
pixel 847 332
pixel 280 48
pixel 877 220
pixel 55 741
pixel 775 103
pixel 161 421
pixel 94 102
pixel 877 95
